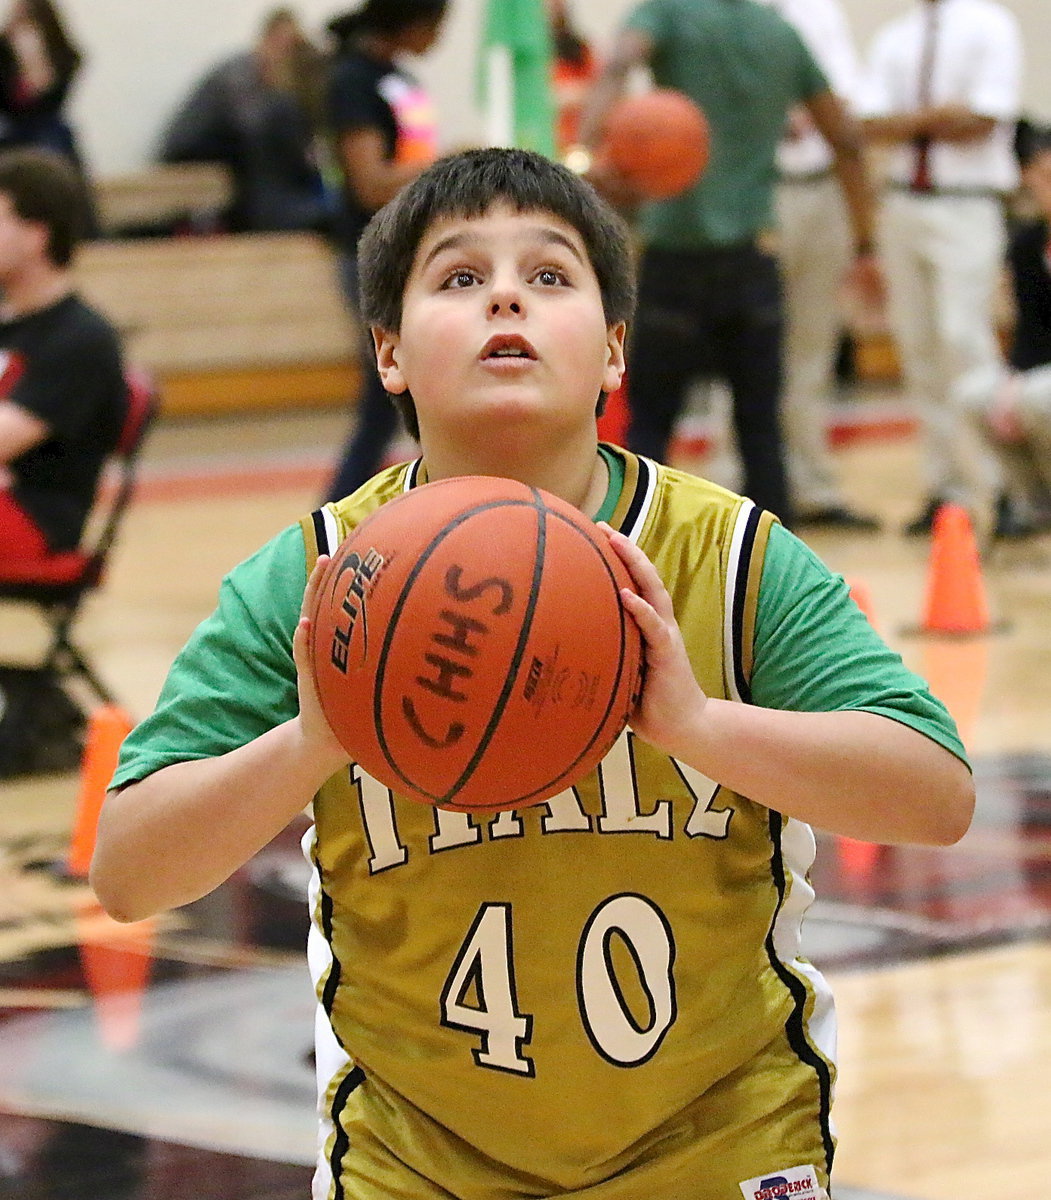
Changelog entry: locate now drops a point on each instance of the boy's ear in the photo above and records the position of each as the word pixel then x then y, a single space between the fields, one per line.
pixel 387 345
pixel 615 337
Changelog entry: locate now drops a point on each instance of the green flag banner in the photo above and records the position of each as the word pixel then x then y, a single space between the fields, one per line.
pixel 515 76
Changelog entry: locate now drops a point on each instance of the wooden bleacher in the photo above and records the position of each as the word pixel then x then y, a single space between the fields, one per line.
pixel 228 322
pixel 235 322
pixel 241 321
pixel 162 196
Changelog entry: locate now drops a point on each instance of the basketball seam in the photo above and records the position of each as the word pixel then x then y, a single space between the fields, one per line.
pixel 614 693
pixel 396 612
pixel 523 637
pixel 618 677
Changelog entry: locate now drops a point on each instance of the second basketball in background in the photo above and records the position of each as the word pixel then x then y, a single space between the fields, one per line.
pixel 658 141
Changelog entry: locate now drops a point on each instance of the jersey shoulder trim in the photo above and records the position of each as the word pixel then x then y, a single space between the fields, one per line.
pixel 326 527
pixel 636 494
pixel 320 534
pixel 751 532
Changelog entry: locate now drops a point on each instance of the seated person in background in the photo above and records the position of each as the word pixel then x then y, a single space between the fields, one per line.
pixel 1011 404
pixel 62 387
pixel 39 63
pixel 257 112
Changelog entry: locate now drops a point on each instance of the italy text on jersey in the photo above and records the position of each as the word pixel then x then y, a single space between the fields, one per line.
pixel 620 812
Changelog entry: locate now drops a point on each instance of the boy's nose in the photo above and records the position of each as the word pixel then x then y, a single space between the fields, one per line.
pixel 505 294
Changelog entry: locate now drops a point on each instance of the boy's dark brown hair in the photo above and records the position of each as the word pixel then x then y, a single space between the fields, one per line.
pixel 44 187
pixel 468 184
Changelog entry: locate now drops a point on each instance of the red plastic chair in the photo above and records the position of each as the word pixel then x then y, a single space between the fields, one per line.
pixel 59 584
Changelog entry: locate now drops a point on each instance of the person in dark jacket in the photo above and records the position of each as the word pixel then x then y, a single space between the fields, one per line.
pixel 258 112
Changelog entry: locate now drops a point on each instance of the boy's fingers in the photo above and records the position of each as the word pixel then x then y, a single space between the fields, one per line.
pixel 313 584
pixel 649 584
pixel 643 614
pixel 301 635
pixel 301 643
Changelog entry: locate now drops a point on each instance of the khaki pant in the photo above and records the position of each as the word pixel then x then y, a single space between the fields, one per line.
pixel 815 250
pixel 1026 465
pixel 942 257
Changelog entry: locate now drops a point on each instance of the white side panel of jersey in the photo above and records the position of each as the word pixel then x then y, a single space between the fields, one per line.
pixel 798 851
pixel 798 845
pixel 331 1061
pixel 732 572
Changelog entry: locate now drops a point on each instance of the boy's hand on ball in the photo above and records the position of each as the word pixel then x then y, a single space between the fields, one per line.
pixel 672 701
pixel 315 728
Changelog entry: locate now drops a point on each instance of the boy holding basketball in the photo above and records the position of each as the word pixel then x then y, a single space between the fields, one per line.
pixel 602 995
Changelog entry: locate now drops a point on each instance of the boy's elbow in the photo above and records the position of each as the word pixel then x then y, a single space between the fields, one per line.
pixel 116 900
pixel 957 808
pixel 121 889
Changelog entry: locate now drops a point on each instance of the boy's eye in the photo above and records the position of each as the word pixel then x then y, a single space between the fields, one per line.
pixel 460 278
pixel 549 277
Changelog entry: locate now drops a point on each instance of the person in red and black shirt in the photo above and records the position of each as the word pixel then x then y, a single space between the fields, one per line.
pixel 62 388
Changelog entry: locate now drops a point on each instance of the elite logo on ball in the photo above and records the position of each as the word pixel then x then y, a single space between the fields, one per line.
pixel 363 572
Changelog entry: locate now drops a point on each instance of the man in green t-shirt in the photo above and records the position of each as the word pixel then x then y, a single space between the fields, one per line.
pixel 709 294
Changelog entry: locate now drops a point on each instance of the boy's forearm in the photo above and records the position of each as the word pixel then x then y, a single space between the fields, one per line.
pixel 852 773
pixel 179 833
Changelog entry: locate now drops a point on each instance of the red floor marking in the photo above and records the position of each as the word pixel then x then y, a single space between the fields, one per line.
pixel 187 481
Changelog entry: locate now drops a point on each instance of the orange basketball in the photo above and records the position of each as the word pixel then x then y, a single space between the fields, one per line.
pixel 470 646
pixel 658 140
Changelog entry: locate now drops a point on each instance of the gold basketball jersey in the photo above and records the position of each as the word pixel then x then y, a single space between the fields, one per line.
pixel 601 995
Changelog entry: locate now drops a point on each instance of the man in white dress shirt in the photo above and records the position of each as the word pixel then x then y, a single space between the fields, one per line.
pixel 943 94
pixel 816 250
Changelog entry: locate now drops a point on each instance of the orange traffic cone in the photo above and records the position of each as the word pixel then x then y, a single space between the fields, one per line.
pixel 862 597
pixel 955 600
pixel 956 671
pixel 116 961
pixel 858 859
pixel 108 726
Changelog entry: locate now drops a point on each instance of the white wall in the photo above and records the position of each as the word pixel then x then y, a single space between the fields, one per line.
pixel 142 56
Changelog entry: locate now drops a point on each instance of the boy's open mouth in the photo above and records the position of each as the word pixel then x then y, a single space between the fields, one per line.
pixel 508 345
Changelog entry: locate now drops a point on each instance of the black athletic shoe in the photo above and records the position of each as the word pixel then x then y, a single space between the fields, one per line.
pixel 921 525
pixel 1011 524
pixel 837 516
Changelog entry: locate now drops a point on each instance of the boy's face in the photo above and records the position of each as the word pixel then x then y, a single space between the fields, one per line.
pixel 502 324
pixel 20 241
pixel 1038 181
